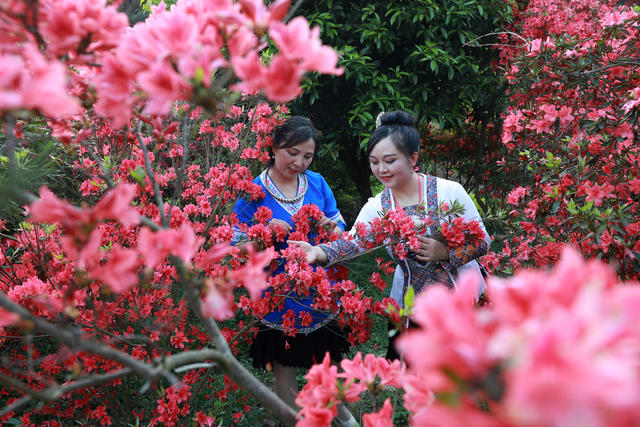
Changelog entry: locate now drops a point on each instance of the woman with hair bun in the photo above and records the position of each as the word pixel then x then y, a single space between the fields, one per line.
pixel 393 153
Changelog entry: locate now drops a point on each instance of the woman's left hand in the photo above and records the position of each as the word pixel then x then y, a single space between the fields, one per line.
pixel 333 225
pixel 431 250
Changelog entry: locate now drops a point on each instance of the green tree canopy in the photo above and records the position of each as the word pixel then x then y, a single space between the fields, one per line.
pixel 418 56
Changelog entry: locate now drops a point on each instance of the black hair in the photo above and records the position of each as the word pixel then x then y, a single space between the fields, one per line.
pixel 292 132
pixel 401 127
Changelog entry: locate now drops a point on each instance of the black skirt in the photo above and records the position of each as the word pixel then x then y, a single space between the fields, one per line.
pixel 302 351
pixel 392 353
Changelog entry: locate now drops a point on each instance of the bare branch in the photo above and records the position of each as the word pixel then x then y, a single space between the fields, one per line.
pixel 73 339
pixel 293 10
pixel 16 405
pixel 185 154
pixel 56 392
pixel 152 225
pixel 152 177
pixel 469 43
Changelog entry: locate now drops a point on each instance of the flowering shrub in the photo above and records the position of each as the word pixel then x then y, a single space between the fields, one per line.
pixel 571 131
pixel 501 364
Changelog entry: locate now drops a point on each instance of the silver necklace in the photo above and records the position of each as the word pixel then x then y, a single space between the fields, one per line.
pixel 283 199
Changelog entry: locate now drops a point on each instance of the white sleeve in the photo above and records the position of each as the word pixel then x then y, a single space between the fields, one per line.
pixel 372 209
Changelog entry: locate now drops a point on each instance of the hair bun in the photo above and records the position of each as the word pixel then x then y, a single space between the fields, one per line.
pixel 398 118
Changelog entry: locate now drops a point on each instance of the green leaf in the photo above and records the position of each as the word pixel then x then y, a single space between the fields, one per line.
pixel 138 174
pixel 409 298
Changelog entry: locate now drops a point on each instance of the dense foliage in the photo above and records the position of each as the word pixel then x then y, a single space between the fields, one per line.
pixel 412 56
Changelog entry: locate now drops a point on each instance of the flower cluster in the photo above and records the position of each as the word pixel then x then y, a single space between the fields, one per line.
pixel 500 364
pixel 459 232
pixel 325 387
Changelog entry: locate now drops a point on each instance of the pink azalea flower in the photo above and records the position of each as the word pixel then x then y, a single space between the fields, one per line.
pixel 299 43
pixel 163 87
pixel 46 87
pixel 253 274
pixel 119 272
pixel 185 243
pixel 48 208
pixel 218 301
pixel 597 193
pixel 262 16
pixel 382 418
pixel 182 242
pixel 204 420
pixel 114 85
pixel 116 205
pixel 31 82
pixel 7 318
pixel 153 247
pixel 282 80
pixel 321 386
pixel 250 71
pixel 315 417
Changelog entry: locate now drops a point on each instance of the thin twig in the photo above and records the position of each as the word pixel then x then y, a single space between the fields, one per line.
pixel 56 392
pixel 185 153
pixel 293 10
pixel 496 34
pixel 106 173
pixel 73 339
pixel 15 405
pixel 152 177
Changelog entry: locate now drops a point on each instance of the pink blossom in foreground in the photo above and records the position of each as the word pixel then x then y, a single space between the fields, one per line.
pixel 69 24
pixel 115 205
pixel 262 16
pixel 382 418
pixel 48 208
pixel 31 82
pixel 297 42
pixel 575 323
pixel 119 272
pixel 321 390
pixel 552 348
pixel 155 246
pixel 7 318
pixel 218 300
pixel 253 274
pixel 452 337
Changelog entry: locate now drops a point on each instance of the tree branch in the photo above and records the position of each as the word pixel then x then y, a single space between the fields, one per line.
pixel 74 340
pixel 152 177
pixel 229 364
pixel 56 392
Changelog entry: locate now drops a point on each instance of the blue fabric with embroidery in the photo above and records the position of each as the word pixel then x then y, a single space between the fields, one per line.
pixel 318 193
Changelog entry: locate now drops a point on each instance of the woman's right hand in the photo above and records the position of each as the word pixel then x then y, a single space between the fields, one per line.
pixel 275 223
pixel 315 254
